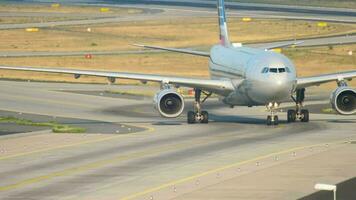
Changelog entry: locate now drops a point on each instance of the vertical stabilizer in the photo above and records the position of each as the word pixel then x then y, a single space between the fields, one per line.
pixel 224 38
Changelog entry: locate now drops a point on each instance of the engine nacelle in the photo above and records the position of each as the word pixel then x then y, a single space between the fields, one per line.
pixel 343 100
pixel 169 103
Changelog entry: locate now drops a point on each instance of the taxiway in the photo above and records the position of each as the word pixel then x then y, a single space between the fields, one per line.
pixel 124 165
pixel 149 157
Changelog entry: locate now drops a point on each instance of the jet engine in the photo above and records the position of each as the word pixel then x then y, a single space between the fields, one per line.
pixel 169 103
pixel 343 100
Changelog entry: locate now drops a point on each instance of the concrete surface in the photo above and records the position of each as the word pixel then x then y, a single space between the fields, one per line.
pixel 123 166
pixel 170 156
pixel 90 126
pixel 179 8
pixel 290 180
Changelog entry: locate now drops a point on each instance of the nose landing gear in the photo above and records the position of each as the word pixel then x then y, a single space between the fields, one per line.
pixel 298 113
pixel 273 118
pixel 198 115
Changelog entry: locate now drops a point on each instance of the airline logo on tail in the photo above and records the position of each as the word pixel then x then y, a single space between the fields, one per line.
pixel 224 39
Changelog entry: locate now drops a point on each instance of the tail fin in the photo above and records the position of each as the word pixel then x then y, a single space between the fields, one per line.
pixel 224 37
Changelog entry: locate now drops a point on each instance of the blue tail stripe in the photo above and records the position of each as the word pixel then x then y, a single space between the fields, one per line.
pixel 224 40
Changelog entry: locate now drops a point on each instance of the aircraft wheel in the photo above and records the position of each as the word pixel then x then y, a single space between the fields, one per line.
pixel 305 114
pixel 205 116
pixel 276 122
pixel 191 117
pixel 291 116
pixel 269 120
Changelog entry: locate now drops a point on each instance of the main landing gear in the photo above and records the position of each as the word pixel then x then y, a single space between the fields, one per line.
pixel 273 118
pixel 198 115
pixel 298 113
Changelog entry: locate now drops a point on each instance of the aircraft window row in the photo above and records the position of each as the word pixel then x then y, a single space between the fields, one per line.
pixel 275 70
pixel 281 70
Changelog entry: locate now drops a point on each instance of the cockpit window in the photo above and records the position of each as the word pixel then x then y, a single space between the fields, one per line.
pixel 264 70
pixel 281 70
pixel 273 70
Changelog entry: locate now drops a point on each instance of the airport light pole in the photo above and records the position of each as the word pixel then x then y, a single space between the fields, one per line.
pixel 326 187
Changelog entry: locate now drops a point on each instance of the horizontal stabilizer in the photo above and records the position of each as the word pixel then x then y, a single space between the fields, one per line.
pixel 185 51
pixel 279 45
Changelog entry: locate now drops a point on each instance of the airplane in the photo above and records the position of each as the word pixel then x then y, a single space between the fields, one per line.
pixel 240 75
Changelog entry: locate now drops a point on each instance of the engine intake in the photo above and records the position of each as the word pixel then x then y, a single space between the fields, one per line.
pixel 169 103
pixel 343 100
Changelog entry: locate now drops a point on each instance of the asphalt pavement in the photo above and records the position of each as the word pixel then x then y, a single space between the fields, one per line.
pixel 193 8
pixel 165 158
pixel 167 151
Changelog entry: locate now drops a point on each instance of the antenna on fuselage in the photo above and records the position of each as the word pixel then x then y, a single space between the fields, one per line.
pixel 224 37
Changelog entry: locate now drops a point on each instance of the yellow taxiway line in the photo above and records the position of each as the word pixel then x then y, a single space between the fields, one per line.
pixel 103 163
pixel 149 129
pixel 90 166
pixel 56 102
pixel 189 178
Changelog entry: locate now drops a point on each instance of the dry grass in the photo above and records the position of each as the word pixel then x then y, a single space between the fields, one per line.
pixel 200 32
pixel 47 8
pixel 20 20
pixel 317 60
pixel 176 33
pixel 309 61
pixel 154 63
pixel 204 31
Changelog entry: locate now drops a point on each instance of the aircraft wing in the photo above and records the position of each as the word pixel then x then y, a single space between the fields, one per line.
pixel 325 78
pixel 219 86
pixel 186 51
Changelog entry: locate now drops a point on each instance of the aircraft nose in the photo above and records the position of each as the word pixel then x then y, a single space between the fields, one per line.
pixel 280 87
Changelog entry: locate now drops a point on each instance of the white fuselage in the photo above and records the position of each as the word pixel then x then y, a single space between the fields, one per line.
pixel 266 76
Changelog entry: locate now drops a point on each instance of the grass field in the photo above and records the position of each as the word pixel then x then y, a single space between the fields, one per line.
pixel 47 8
pixel 317 60
pixel 56 127
pixel 309 61
pixel 199 33
pixel 68 12
pixel 20 20
pixel 319 3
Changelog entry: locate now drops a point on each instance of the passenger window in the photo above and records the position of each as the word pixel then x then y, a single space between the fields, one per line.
pixel 273 70
pixel 281 70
